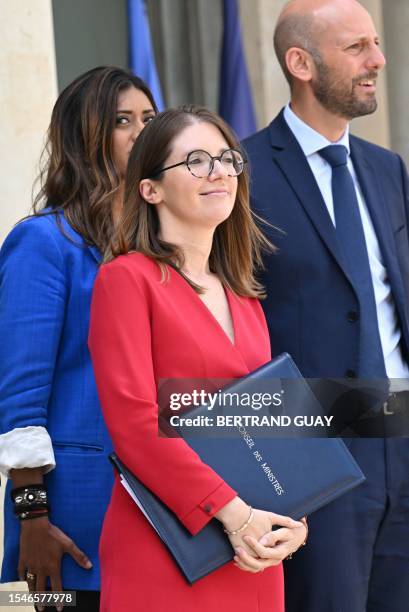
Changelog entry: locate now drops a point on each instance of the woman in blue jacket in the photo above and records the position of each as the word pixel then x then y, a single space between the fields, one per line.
pixel 53 441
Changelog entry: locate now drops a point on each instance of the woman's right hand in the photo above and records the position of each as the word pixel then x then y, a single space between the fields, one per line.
pixel 234 514
pixel 42 546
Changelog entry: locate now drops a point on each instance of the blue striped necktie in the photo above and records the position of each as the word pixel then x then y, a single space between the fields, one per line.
pixel 351 237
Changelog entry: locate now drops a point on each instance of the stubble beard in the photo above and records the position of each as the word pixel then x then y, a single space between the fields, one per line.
pixel 336 98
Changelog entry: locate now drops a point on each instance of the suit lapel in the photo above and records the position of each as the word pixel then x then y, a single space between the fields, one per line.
pixel 374 198
pixel 377 205
pixel 290 158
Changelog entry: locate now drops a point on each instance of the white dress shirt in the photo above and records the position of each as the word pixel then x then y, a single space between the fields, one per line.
pixel 26 447
pixel 311 142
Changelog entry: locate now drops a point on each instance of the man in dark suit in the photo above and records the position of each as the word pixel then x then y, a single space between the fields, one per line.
pixel 338 289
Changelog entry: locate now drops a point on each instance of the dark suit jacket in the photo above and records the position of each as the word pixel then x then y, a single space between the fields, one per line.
pixel 312 308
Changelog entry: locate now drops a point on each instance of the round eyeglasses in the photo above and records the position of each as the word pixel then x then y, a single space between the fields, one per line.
pixel 201 163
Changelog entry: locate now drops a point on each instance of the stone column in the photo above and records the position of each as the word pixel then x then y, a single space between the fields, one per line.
pixel 27 93
pixel 28 87
pixel 396 26
pixel 270 89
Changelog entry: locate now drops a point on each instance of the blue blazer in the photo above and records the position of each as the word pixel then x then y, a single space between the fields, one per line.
pixel 46 379
pixel 310 296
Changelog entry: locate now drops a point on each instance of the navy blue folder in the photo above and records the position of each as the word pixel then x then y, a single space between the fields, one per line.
pixel 295 476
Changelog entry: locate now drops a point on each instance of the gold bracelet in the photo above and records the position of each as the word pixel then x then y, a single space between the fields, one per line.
pixel 243 527
pixel 304 522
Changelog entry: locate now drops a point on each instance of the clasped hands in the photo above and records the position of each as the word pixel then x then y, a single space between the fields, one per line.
pixel 258 547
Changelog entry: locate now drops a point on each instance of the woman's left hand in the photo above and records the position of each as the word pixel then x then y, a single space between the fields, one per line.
pixel 272 547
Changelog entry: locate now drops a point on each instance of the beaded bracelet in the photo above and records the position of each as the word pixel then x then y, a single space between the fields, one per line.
pixel 30 501
pixel 243 527
pixel 304 521
pixel 29 496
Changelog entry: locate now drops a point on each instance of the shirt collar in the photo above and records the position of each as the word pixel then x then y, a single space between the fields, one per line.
pixel 309 140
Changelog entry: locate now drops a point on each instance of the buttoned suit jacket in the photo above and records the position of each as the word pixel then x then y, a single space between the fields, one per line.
pixel 312 308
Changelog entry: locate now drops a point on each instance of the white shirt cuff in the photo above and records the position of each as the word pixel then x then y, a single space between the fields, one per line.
pixel 26 447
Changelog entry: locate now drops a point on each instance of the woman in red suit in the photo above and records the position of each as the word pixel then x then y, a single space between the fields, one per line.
pixel 181 302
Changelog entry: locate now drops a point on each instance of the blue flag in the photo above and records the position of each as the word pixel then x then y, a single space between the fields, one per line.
pixel 141 57
pixel 235 100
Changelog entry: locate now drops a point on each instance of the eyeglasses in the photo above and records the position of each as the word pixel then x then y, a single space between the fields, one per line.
pixel 201 163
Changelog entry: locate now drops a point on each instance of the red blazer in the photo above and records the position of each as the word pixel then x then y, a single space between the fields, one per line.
pixel 144 329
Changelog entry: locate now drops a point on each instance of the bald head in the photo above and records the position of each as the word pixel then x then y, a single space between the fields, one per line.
pixel 302 24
